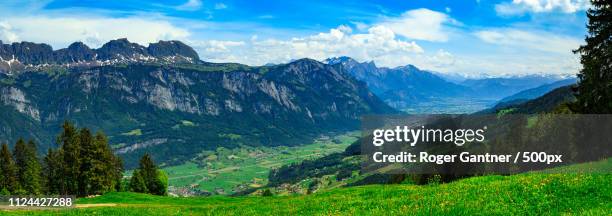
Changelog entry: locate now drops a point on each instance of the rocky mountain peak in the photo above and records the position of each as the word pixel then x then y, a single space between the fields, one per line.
pixel 120 49
pixel 409 68
pixel 350 63
pixel 76 52
pixel 340 60
pixel 305 65
pixel 22 55
pixel 27 52
pixel 172 48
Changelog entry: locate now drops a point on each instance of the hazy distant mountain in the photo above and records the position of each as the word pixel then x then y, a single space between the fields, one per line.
pixel 497 88
pixel 456 78
pixel 401 87
pixel 176 111
pixel 545 103
pixel 419 91
pixel 539 91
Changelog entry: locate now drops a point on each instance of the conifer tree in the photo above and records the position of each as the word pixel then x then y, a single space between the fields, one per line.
pixel 154 180
pixel 148 171
pixel 83 164
pixel 88 179
pixel 53 172
pixel 8 180
pixel 20 155
pixel 71 158
pixel 137 183
pixel 100 172
pixel 27 168
pixel 594 92
pixel 118 173
pixel 29 174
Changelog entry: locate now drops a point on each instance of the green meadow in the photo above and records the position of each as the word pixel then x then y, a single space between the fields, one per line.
pixel 523 194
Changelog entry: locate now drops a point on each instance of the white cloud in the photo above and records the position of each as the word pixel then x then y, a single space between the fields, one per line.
pixel 220 6
pixel 443 59
pixel 345 29
pixel 216 46
pixel 93 31
pixel 379 44
pixel 360 26
pixel 517 7
pixel 528 41
pixel 7 34
pixel 421 24
pixel 190 5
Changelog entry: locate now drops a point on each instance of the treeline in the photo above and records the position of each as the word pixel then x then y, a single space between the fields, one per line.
pixel 83 164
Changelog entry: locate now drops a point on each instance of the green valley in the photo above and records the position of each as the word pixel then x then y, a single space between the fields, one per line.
pixel 226 171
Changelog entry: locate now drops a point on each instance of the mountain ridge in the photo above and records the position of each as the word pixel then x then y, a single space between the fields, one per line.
pixel 19 56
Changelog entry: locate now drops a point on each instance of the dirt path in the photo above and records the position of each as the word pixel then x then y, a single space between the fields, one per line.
pixel 95 205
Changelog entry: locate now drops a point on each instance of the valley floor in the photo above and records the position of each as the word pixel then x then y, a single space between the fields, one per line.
pixel 524 194
pixel 227 171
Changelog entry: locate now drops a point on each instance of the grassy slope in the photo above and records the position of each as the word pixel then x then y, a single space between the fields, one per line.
pixel 524 194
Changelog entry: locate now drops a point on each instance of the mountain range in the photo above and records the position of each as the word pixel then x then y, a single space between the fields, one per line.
pixel 26 55
pixel 164 100
pixel 176 110
pixel 419 91
pixel 400 87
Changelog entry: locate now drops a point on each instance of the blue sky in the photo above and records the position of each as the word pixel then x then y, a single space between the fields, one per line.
pixel 470 37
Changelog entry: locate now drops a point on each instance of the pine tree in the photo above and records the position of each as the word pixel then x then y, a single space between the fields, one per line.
pixel 88 178
pixel 594 92
pixel 30 174
pixel 101 172
pixel 153 180
pixel 20 155
pixel 137 183
pixel 71 158
pixel 148 170
pixel 28 167
pixel 114 167
pixel 53 172
pixel 83 164
pixel 8 182
pixel 118 173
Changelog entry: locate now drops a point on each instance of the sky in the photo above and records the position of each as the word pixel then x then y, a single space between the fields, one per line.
pixel 465 37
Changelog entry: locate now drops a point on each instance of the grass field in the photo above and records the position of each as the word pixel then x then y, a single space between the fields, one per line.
pixel 225 169
pixel 523 194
